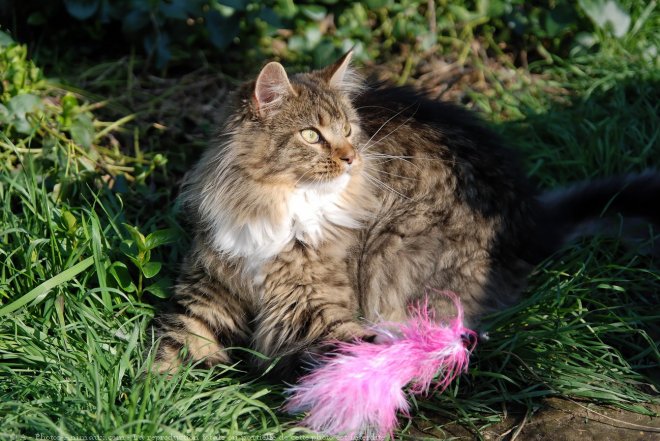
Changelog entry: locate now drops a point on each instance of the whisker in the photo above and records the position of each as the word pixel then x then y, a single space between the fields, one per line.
pixel 385 155
pixel 421 158
pixel 374 107
pixel 301 176
pixel 392 157
pixel 383 185
pixel 397 128
pixel 399 176
pixel 385 123
pixel 380 161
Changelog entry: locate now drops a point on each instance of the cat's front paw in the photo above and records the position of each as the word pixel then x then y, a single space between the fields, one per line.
pixel 351 331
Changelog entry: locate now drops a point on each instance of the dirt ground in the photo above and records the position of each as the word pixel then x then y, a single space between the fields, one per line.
pixel 563 420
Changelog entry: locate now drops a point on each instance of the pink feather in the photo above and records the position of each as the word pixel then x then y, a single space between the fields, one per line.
pixel 358 392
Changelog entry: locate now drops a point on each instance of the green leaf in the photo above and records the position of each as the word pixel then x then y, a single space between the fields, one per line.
pixel 24 103
pixel 313 36
pixel 161 289
pixel 176 9
pixel 239 5
pixel 138 237
pixel 162 237
pixel 585 39
pixel 324 53
pixel 5 39
pixel 286 8
pixel 559 20
pixel 19 106
pixel 492 8
pixel 69 106
pixel 461 13
pixel 122 276
pixel 69 221
pixel 297 43
pixel 4 115
pixel 131 251
pixel 271 17
pixel 314 12
pixel 607 15
pixel 135 21
pixel 128 248
pixel 82 9
pixel 377 4
pixel 82 130
pixel 222 30
pixel 151 269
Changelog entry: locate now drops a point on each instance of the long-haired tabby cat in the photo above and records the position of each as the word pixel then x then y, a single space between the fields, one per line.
pixel 327 204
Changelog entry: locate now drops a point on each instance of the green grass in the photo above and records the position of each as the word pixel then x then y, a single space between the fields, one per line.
pixel 89 217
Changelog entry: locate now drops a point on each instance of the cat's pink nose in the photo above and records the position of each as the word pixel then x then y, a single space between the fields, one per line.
pixel 348 158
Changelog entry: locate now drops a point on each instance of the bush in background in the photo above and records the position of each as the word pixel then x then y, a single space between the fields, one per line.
pixel 311 33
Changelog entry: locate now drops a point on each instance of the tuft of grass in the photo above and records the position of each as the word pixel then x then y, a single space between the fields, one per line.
pixel 75 277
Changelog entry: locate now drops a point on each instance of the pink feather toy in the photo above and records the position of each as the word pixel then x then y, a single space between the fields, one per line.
pixel 358 391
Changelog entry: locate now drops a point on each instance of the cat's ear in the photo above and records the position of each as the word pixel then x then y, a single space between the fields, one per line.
pixel 341 76
pixel 271 88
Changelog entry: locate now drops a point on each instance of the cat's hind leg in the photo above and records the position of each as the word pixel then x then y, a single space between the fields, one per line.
pixel 416 260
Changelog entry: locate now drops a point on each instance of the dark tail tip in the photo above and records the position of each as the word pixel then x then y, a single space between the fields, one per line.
pixel 564 211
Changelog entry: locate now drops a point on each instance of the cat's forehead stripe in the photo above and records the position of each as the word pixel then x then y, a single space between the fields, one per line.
pixel 326 102
pixel 329 110
pixel 329 106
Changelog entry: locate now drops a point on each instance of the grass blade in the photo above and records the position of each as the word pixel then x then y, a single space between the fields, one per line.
pixel 49 284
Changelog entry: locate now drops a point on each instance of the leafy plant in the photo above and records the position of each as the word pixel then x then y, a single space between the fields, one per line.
pixel 52 143
pixel 138 249
pixel 18 77
pixel 312 33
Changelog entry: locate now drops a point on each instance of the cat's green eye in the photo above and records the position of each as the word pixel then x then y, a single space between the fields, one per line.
pixel 310 135
pixel 347 129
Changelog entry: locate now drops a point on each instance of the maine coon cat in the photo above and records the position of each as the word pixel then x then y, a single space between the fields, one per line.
pixel 328 204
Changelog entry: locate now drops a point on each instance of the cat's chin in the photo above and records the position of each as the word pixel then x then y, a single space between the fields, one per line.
pixel 328 185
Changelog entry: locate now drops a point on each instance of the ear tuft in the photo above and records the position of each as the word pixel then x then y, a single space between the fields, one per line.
pixel 271 88
pixel 340 76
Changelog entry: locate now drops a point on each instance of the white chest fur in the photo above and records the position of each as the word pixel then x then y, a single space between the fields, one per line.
pixel 312 211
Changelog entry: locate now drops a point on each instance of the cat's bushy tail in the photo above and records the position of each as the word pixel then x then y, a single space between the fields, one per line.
pixel 592 207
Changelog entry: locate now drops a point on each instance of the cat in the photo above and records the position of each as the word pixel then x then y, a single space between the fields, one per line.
pixel 328 204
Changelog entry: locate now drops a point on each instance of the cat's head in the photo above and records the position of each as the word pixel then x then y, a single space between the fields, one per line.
pixel 301 129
